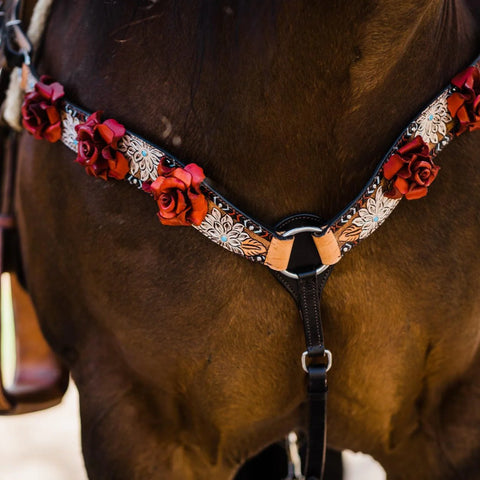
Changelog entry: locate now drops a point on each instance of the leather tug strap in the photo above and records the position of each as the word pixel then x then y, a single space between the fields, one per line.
pixel 305 283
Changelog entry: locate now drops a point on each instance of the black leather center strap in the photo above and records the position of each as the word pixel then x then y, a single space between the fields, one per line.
pixel 307 289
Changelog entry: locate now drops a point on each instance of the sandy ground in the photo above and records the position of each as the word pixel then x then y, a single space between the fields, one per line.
pixel 46 446
pixel 43 445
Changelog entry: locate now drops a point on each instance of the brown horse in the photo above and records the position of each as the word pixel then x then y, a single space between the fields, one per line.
pixel 187 357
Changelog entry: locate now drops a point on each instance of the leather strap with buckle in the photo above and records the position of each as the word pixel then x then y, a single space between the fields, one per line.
pixel 304 278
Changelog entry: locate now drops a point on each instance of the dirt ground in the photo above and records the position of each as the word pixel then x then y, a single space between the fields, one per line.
pixel 46 446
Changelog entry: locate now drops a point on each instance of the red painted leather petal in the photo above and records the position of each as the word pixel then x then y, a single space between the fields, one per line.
pixel 463 119
pixel 199 208
pixel 117 129
pixel 162 184
pixel 416 192
pixel 105 133
pixel 179 221
pixel 182 203
pixel 108 153
pixel 92 120
pixel 454 103
pixel 394 164
pixel 465 79
pixel 49 90
pixel 401 185
pixel 183 176
pixel 197 174
pixel 44 90
pixel 52 114
pixel 118 167
pixel 53 133
pixel 156 186
pixel 417 145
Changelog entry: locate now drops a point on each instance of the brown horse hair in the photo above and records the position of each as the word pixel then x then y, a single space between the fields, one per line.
pixel 187 357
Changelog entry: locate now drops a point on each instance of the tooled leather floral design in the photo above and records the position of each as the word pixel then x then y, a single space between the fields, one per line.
pixel 178 196
pixel 97 148
pixel 464 105
pixel 375 212
pixel 431 124
pixel 41 110
pixel 411 170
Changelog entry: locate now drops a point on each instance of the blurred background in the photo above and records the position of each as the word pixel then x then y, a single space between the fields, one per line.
pixel 43 445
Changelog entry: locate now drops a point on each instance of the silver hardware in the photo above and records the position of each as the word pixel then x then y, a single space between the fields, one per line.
pixel 296 230
pixel 328 353
pixel 293 232
pixel 294 460
pixel 11 23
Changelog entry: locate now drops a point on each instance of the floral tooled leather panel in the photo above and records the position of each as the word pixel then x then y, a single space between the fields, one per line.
pixel 184 196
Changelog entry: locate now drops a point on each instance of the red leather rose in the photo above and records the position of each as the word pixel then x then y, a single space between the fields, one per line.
pixel 178 195
pixel 98 147
pixel 464 105
pixel 40 110
pixel 411 169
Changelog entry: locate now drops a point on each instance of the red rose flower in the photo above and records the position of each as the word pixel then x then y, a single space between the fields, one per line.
pixel 465 104
pixel 40 110
pixel 178 195
pixel 98 147
pixel 411 169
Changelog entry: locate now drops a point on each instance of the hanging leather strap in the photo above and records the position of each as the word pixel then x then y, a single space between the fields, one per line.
pixel 305 281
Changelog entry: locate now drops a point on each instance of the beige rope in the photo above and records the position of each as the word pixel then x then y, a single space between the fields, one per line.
pixel 14 97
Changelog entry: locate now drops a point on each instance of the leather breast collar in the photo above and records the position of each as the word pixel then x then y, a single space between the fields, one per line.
pixel 302 249
pixel 236 231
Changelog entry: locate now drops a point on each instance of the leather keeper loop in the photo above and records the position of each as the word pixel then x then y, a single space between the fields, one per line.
pixel 328 248
pixel 278 254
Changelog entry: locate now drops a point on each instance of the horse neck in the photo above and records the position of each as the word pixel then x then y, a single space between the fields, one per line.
pixel 289 105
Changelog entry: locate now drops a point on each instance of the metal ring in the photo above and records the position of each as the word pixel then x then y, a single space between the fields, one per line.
pixel 294 231
pixel 328 353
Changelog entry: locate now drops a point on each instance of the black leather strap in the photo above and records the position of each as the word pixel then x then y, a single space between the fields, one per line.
pixel 307 289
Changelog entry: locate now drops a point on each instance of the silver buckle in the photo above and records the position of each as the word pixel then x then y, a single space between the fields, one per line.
pixel 328 353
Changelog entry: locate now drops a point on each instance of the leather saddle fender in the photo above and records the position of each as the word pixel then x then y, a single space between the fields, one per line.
pixel 40 380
